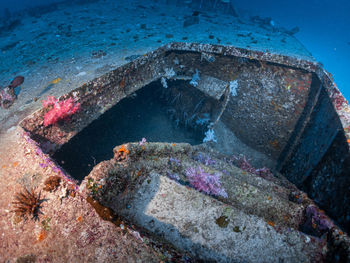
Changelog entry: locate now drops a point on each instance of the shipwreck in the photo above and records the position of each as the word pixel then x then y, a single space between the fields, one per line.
pixel 281 114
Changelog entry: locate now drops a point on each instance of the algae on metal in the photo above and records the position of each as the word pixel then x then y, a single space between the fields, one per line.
pixel 240 227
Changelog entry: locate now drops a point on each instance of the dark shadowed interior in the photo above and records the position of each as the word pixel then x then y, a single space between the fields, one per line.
pixel 153 112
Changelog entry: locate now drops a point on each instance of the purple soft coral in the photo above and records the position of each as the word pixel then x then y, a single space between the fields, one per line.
pixel 316 222
pixel 205 182
pixel 242 162
pixel 143 141
pixel 204 159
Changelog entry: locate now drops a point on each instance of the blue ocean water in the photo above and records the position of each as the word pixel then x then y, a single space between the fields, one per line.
pixel 324 30
pixel 28 27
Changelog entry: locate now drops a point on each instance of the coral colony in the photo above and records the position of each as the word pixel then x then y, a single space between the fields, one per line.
pixel 316 223
pixel 204 159
pixel 60 110
pixel 142 142
pixel 209 136
pixel 242 162
pixel 195 79
pixel 205 182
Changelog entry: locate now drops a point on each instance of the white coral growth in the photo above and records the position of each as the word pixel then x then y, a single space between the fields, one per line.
pixel 169 73
pixel 195 78
pixel 233 87
pixel 164 83
pixel 210 136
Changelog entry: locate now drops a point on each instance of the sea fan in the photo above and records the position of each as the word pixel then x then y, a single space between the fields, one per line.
pixel 28 203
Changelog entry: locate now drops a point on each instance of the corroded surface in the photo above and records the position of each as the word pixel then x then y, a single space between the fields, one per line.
pixel 69 230
pixel 280 107
pixel 270 98
pixel 256 222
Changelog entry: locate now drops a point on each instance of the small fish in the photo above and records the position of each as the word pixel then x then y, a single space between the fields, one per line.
pixel 16 82
pixel 55 81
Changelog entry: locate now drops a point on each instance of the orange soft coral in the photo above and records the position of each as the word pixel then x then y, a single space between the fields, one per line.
pixel 121 154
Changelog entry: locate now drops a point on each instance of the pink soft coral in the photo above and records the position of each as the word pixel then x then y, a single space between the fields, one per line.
pixel 50 100
pixel 205 182
pixel 61 109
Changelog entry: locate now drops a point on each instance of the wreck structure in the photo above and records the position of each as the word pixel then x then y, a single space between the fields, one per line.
pixel 279 112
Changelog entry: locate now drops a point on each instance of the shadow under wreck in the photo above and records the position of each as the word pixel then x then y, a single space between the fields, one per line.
pixel 278 112
pixel 150 112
